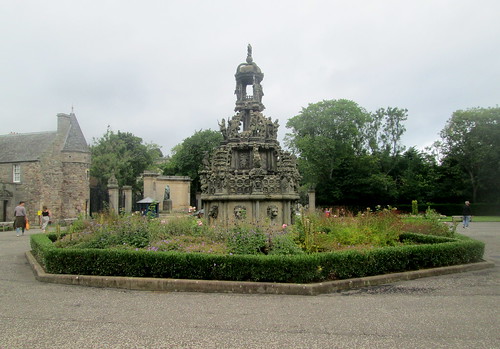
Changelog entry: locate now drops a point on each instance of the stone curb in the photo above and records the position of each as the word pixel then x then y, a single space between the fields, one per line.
pixel 245 287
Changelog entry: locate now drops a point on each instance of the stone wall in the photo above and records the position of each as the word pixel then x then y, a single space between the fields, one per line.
pixel 180 187
pixel 52 183
pixel 76 189
pixel 28 190
pixel 62 187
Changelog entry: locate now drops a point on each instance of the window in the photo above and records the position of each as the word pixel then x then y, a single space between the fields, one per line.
pixel 17 173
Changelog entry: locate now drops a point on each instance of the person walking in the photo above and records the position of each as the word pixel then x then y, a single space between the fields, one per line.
pixel 46 215
pixel 467 214
pixel 20 218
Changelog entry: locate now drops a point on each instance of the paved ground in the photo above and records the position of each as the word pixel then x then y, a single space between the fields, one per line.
pixel 451 311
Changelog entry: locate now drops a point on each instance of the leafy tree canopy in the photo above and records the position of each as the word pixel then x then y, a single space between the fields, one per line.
pixel 122 154
pixel 346 152
pixel 186 159
pixel 386 129
pixel 471 141
pixel 325 133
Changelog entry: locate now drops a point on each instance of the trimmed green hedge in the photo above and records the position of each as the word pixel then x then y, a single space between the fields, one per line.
pixel 418 252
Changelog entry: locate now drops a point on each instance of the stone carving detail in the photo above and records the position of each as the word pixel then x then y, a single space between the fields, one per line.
pixel 214 212
pixel 272 212
pixel 235 165
pixel 244 160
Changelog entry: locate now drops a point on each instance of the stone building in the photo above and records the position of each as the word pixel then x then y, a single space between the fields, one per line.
pixel 249 176
pixel 45 169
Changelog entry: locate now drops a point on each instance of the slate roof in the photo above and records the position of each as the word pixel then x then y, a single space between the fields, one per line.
pixel 75 141
pixel 21 147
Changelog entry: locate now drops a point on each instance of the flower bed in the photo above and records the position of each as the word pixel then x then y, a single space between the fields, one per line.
pixel 316 248
pixel 415 252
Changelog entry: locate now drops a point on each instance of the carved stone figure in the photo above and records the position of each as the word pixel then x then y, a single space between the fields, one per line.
pixel 252 127
pixel 234 128
pixel 214 212
pixel 272 212
pixel 249 54
pixel 166 195
pixel 285 184
pixel 256 157
pixel 257 92
pixel 204 185
pixel 206 160
pixel 223 129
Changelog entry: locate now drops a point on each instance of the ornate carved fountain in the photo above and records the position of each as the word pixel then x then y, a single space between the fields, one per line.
pixel 249 176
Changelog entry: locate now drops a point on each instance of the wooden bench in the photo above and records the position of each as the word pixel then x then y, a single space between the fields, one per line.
pixel 456 219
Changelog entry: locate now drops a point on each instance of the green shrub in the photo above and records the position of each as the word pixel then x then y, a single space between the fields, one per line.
pixel 188 243
pixel 283 244
pixel 176 226
pixel 414 207
pixel 318 233
pixel 247 239
pixel 425 251
pixel 430 223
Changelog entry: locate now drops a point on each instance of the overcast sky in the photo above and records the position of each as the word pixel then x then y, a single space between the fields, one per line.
pixel 164 69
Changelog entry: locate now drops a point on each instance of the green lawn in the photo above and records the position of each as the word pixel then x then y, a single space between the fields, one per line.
pixel 477 219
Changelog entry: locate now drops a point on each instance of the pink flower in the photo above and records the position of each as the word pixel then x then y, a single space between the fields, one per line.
pixel 284 226
pixel 200 223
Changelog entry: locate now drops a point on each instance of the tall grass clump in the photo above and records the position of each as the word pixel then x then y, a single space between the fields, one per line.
pixel 319 233
pixel 429 223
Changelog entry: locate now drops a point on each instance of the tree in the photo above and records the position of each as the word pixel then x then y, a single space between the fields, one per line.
pixel 471 141
pixel 123 155
pixel 346 152
pixel 186 159
pixel 417 177
pixel 363 184
pixel 387 127
pixel 326 133
pixel 450 183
